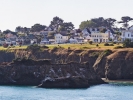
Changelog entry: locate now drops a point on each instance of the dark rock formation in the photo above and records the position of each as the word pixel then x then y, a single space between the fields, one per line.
pixel 6 56
pixel 65 82
pixel 112 64
pixel 72 75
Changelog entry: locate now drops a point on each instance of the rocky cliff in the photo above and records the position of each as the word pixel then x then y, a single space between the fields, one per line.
pixel 45 74
pixel 119 65
pixel 112 64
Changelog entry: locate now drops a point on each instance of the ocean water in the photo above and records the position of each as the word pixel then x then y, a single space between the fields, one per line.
pixel 96 92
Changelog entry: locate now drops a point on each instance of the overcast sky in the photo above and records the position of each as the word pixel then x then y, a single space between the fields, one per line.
pixel 26 13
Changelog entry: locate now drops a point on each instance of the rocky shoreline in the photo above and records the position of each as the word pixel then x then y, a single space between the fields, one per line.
pixel 43 74
pixel 63 68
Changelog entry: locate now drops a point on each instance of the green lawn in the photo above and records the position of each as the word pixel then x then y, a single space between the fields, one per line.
pixel 72 46
pixel 83 46
pixel 16 47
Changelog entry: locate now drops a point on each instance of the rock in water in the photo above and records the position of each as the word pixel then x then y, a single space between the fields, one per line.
pixel 65 82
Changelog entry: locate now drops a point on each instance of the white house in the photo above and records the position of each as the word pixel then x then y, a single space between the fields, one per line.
pixel 99 37
pixel 95 36
pixel 73 40
pixel 76 39
pixel 127 34
pixel 61 38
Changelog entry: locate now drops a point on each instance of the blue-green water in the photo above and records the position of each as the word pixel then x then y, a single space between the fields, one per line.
pixel 97 92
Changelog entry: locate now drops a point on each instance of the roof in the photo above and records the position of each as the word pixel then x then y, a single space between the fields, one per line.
pixel 50 37
pixel 11 39
pixel 131 28
pixel 2 39
pixel 88 30
pixel 45 39
pixel 44 32
pixel 64 33
pixel 80 39
pixel 72 31
pixel 31 36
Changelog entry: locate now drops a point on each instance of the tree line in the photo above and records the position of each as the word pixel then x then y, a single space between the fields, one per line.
pixel 109 22
pixel 57 24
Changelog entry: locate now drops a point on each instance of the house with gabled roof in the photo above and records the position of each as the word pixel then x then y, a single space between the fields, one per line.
pixel 61 37
pixel 95 35
pixel 45 40
pixel 73 40
pixel 76 39
pixel 127 34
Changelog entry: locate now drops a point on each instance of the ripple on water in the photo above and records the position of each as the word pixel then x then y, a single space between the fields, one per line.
pixel 96 92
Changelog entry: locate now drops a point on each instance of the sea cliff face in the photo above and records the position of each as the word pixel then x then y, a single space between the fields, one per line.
pixel 44 74
pixel 96 64
pixel 119 65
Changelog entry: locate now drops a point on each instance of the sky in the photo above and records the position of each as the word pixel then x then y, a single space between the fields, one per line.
pixel 26 13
